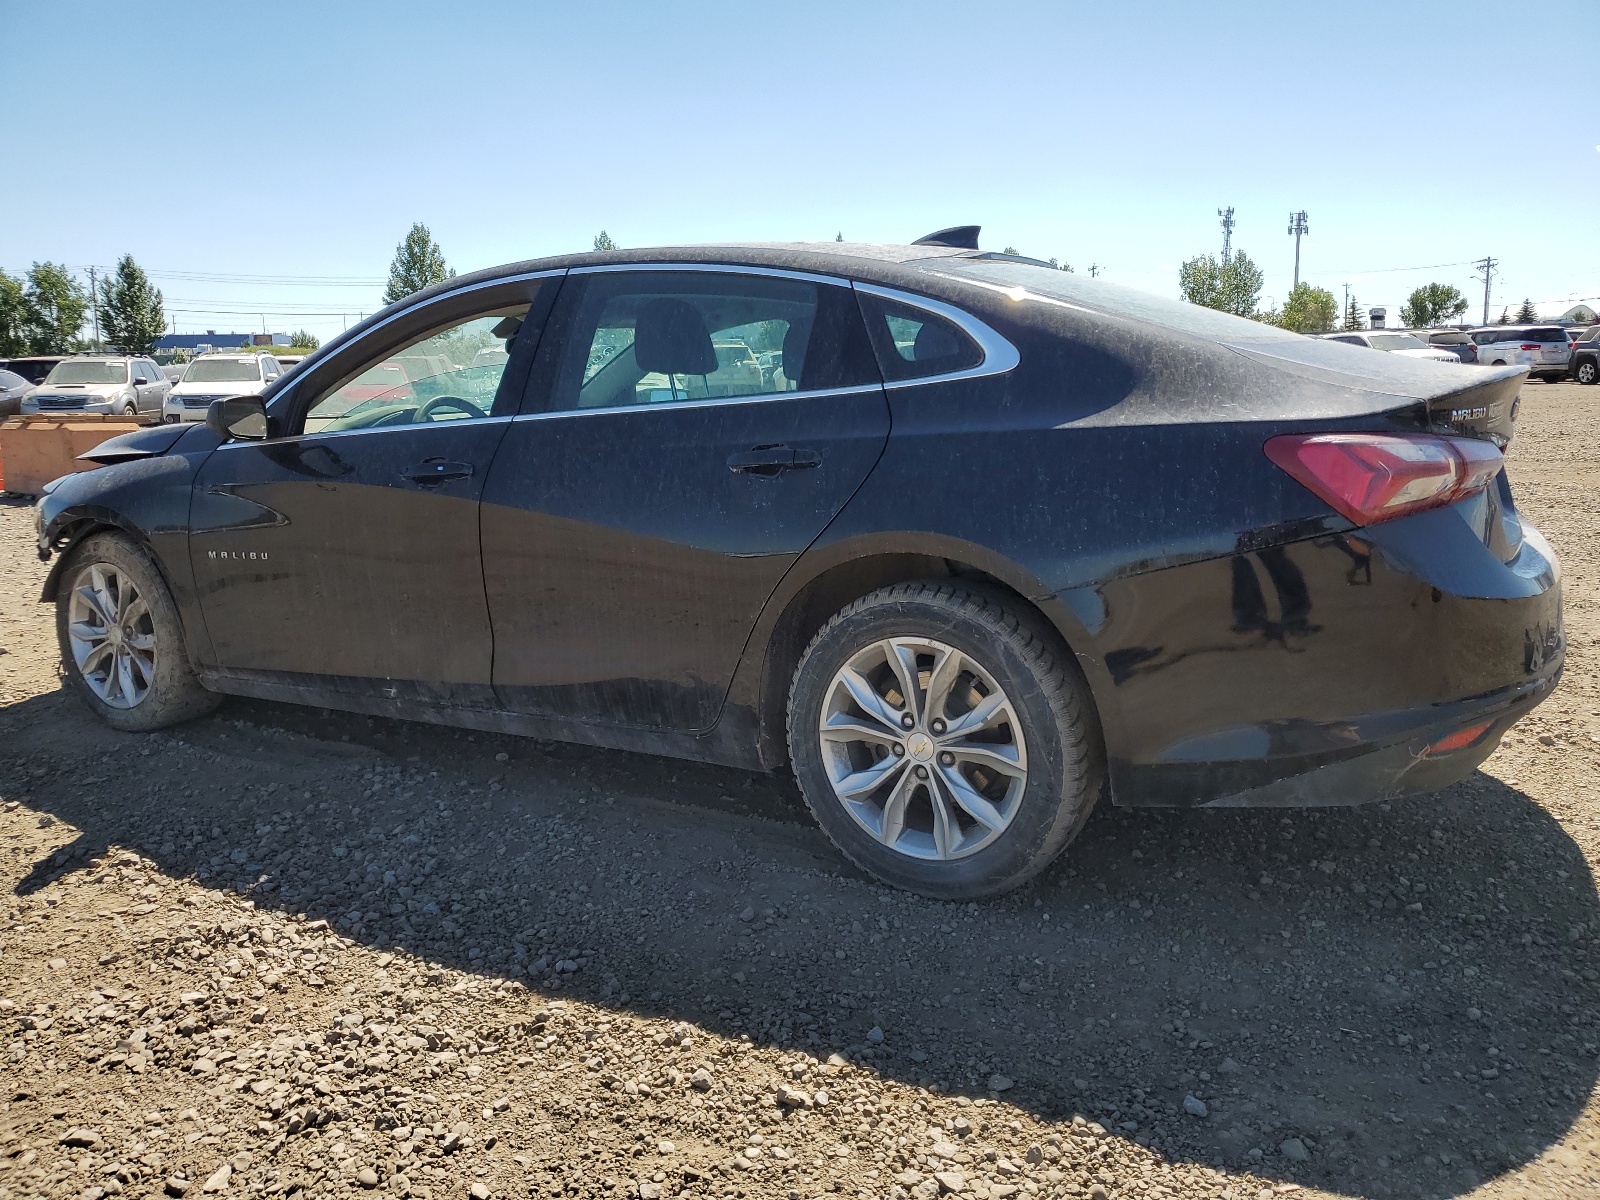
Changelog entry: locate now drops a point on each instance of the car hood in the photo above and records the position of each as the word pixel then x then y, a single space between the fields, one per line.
pixel 218 389
pixel 80 391
pixel 140 443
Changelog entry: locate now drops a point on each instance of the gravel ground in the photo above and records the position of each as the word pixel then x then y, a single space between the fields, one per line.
pixel 295 953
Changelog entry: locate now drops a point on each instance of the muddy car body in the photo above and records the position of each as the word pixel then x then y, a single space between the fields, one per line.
pixel 1011 538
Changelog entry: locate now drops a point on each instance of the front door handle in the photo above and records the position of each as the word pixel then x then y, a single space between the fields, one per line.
pixel 434 471
pixel 770 460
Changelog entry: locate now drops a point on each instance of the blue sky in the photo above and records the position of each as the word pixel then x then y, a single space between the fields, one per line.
pixel 299 141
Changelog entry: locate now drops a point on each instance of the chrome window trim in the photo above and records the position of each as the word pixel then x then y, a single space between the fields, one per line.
pixel 461 291
pixel 291 389
pixel 711 402
pixel 340 433
pixel 999 355
pixel 714 269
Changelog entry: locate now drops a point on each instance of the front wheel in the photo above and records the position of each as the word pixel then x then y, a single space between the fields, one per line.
pixel 121 639
pixel 942 741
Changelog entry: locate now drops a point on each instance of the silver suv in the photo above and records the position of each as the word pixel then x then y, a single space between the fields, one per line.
pixel 1543 349
pixel 101 383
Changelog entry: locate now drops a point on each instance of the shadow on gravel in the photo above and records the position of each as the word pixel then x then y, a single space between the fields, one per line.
pixel 1402 994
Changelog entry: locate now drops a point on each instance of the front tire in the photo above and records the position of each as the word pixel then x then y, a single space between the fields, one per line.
pixel 943 741
pixel 121 639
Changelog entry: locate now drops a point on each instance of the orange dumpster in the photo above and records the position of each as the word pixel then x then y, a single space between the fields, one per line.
pixel 43 446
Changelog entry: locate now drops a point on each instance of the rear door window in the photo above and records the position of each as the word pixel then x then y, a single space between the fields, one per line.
pixel 913 343
pixel 630 338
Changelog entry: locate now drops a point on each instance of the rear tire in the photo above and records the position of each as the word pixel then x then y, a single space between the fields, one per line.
pixel 121 639
pixel 1587 372
pixel 978 757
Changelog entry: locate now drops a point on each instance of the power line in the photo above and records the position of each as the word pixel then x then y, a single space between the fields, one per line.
pixel 283 280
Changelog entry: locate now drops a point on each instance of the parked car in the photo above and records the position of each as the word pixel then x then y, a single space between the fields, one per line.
pixel 1395 341
pixel 1001 541
pixel 34 368
pixel 13 388
pixel 289 361
pixel 101 383
pixel 1543 349
pixel 213 376
pixel 1585 363
pixel 1456 341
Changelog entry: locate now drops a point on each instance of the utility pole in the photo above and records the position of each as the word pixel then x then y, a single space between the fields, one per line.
pixel 1298 226
pixel 1485 267
pixel 1227 232
pixel 94 300
pixel 1095 269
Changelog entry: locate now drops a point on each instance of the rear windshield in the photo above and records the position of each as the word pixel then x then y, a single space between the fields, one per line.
pixel 89 372
pixel 222 370
pixel 1553 333
pixel 385 376
pixel 1397 341
pixel 1110 299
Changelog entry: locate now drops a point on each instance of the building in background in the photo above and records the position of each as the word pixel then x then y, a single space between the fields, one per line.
pixel 212 340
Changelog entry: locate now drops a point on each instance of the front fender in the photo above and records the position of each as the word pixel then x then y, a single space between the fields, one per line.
pixel 147 499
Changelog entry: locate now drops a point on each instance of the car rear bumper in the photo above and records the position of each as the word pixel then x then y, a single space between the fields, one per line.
pixel 1322 671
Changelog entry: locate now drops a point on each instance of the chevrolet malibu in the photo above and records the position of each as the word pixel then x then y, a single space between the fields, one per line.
pixel 988 542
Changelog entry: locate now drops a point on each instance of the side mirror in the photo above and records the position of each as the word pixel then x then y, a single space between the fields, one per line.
pixel 242 418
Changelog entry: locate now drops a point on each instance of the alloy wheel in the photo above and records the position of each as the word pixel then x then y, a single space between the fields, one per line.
pixel 112 636
pixel 923 748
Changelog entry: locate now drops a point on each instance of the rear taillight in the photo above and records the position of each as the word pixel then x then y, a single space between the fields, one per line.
pixel 1371 477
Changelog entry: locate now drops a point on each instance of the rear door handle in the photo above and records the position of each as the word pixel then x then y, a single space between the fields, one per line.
pixel 770 460
pixel 434 471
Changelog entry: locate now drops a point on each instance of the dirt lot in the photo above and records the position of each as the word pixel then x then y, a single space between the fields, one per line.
pixel 293 953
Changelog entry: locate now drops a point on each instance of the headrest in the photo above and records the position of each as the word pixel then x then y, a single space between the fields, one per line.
pixel 670 337
pixel 794 350
pixel 934 341
pixel 507 329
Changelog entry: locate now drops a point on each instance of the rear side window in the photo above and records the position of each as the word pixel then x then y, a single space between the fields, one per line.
pixel 656 337
pixel 913 343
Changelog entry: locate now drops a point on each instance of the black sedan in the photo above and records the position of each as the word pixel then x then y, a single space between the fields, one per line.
pixel 964 541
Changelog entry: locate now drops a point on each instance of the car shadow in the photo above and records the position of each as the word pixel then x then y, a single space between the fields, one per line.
pixel 1395 991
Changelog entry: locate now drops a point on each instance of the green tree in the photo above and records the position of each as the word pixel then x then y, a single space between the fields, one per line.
pixel 54 305
pixel 418 263
pixel 1012 250
pixel 1307 310
pixel 300 339
pixel 1527 313
pixel 1432 304
pixel 1354 318
pixel 130 309
pixel 1233 286
pixel 839 237
pixel 13 316
pixel 603 241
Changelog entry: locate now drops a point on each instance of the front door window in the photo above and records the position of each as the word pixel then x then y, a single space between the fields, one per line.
pixel 450 375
